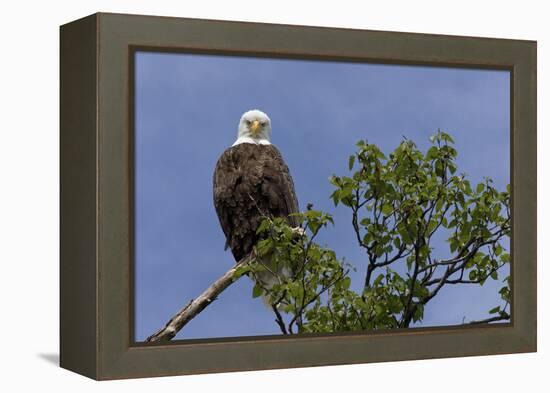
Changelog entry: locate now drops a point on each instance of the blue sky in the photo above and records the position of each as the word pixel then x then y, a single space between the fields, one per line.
pixel 187 111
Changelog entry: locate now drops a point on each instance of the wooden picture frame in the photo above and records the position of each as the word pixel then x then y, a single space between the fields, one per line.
pixel 97 202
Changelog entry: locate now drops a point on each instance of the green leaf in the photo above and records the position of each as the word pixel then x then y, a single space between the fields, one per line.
pixel 257 291
pixel 446 137
pixel 432 153
pixel 336 197
pixel 418 313
pixel 351 161
pixel 387 209
pixel 494 310
pixel 452 168
pixel 453 244
pixel 365 221
pixel 264 246
pixel 397 242
pixel 431 225
pixel 346 282
pixel 378 280
pixel 263 226
pixel 480 187
pixel 439 170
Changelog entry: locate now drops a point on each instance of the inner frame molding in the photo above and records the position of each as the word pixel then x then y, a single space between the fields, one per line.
pixel 97 174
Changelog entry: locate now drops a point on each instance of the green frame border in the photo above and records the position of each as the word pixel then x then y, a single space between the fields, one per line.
pixel 97 195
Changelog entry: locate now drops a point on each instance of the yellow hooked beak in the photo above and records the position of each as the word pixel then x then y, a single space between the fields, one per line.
pixel 255 128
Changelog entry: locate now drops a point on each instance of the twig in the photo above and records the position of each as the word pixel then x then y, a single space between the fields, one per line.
pixel 195 306
pixel 501 317
pixel 279 319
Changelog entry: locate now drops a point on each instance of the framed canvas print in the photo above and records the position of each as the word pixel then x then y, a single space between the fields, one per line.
pixel 242 196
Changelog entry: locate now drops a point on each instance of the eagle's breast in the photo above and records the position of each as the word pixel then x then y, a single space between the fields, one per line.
pixel 251 181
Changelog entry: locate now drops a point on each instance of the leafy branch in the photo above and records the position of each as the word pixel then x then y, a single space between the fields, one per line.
pixel 399 204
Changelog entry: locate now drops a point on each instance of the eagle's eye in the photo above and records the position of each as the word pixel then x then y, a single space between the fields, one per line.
pixel 247 122
pixel 262 123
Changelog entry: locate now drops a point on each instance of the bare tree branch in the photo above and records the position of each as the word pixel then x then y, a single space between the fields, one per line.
pixel 195 306
pixel 279 318
pixel 502 317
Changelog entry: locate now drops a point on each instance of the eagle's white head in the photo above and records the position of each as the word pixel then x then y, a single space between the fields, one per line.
pixel 254 127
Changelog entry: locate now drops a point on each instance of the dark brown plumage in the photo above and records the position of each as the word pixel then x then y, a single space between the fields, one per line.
pixel 251 180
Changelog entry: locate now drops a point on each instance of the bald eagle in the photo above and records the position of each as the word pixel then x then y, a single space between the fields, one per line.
pixel 251 181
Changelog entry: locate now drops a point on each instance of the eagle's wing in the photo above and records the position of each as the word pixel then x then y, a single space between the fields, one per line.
pixel 226 177
pixel 279 186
